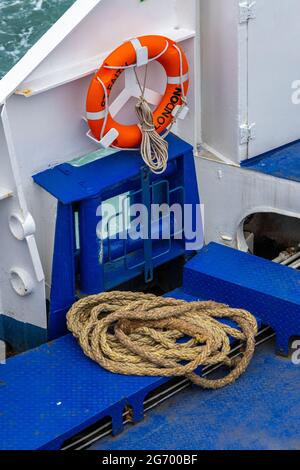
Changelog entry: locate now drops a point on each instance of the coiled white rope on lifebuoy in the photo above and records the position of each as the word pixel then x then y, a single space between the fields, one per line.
pixel 154 147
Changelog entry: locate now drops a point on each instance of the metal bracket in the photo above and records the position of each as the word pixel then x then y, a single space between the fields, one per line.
pixel 247 11
pixel 247 133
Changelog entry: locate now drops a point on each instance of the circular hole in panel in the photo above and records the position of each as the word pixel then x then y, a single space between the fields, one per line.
pixel 16 227
pixel 21 282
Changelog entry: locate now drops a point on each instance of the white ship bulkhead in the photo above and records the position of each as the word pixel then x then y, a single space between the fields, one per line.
pixel 250 105
pixel 43 103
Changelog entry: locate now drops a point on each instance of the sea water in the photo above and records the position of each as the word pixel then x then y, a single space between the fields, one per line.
pixel 22 23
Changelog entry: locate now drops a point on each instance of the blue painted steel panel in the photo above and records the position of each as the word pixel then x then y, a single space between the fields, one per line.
pixel 21 336
pixel 91 267
pixel 70 184
pixel 63 272
pixel 50 394
pixel 261 411
pixel 268 290
pixel 283 162
pixel 82 189
pixel 148 248
pixel 117 272
pixel 114 249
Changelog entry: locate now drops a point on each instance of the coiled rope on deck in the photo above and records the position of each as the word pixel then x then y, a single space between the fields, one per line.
pixel 137 334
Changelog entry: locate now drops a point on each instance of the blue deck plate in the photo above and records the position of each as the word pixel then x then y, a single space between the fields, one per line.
pixel 89 265
pixel 283 162
pixel 268 290
pixel 261 411
pixel 50 394
pixel 53 392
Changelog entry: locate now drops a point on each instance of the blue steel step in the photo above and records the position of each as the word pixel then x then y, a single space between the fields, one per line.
pixel 268 290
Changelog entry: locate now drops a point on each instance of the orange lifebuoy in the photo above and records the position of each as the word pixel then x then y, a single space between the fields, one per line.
pixel 175 63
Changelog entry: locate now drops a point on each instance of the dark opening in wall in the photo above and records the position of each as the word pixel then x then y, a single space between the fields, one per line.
pixel 272 236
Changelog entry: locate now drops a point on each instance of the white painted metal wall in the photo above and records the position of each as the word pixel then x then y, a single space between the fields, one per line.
pixel 274 57
pixel 250 70
pixel 250 75
pixel 43 101
pixel 224 78
pixel 231 194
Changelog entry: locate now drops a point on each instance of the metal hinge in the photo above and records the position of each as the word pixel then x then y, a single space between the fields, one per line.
pixel 247 133
pixel 247 11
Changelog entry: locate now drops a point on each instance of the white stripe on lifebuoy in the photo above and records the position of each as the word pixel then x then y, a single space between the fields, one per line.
pixel 178 80
pixel 96 116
